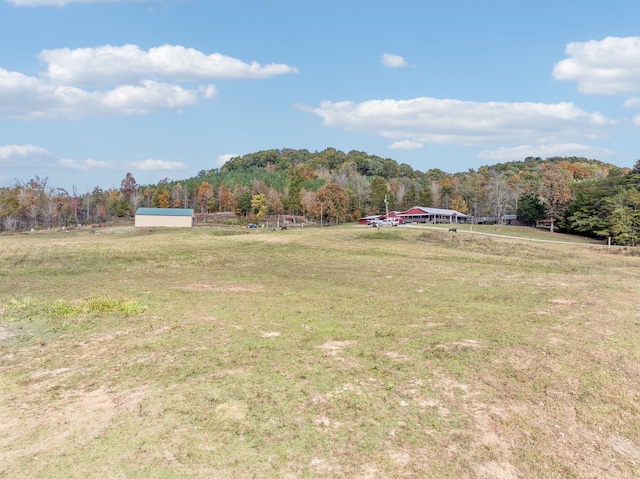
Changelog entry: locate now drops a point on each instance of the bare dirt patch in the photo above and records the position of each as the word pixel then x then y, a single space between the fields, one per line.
pixel 562 300
pixel 4 334
pixel 497 470
pixel 626 448
pixel 467 343
pixel 396 356
pixel 270 334
pixel 73 418
pixel 232 410
pixel 332 348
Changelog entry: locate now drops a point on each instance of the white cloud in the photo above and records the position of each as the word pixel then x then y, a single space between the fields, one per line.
pixel 208 91
pixel 144 98
pixel 394 61
pixel 602 67
pixel 222 159
pixel 406 145
pixel 444 121
pixel 544 151
pixel 632 102
pixel 54 3
pixel 84 165
pixel 119 81
pixel 25 156
pixel 154 165
pixel 30 157
pixel 125 64
pixel 28 98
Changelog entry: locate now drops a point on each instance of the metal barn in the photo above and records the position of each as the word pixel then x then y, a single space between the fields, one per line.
pixel 169 217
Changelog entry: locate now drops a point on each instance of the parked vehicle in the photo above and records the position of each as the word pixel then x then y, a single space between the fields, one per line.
pixel 391 222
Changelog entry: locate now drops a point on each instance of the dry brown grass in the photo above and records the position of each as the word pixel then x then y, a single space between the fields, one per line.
pixel 342 352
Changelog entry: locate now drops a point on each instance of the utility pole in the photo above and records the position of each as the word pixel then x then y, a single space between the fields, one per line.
pixel 321 204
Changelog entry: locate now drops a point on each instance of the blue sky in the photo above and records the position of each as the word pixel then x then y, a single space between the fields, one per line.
pixel 93 89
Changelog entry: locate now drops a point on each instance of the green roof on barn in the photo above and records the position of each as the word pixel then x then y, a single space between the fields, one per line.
pixel 165 211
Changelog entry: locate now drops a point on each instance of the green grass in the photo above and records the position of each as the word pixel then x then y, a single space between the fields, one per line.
pixel 334 352
pixel 522 232
pixel 28 308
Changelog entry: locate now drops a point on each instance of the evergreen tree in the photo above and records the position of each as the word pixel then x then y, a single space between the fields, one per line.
pixel 425 198
pixel 379 193
pixel 530 209
pixel 410 197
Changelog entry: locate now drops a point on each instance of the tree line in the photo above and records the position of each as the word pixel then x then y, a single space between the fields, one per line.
pixel 572 194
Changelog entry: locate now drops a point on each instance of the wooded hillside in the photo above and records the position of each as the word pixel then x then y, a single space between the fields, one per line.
pixel 577 195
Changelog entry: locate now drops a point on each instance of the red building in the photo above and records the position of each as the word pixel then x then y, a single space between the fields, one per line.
pixel 420 214
pixel 366 220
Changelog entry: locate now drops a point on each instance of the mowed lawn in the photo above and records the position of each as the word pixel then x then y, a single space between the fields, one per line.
pixel 340 352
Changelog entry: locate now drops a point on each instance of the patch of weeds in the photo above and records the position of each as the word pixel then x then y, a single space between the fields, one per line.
pixel 95 305
pixel 391 333
pixel 62 309
pixel 19 309
pixel 27 308
pixel 459 391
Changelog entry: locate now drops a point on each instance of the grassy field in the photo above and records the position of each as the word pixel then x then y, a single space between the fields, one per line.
pixel 521 232
pixel 340 352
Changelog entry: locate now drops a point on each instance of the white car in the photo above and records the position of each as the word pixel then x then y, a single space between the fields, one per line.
pixel 393 222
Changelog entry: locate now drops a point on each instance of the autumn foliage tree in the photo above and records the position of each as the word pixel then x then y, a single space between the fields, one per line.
pixel 555 190
pixel 459 204
pixel 331 203
pixel 177 196
pixel 259 206
pixel 225 198
pixel 164 199
pixel 205 194
pixel 129 190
